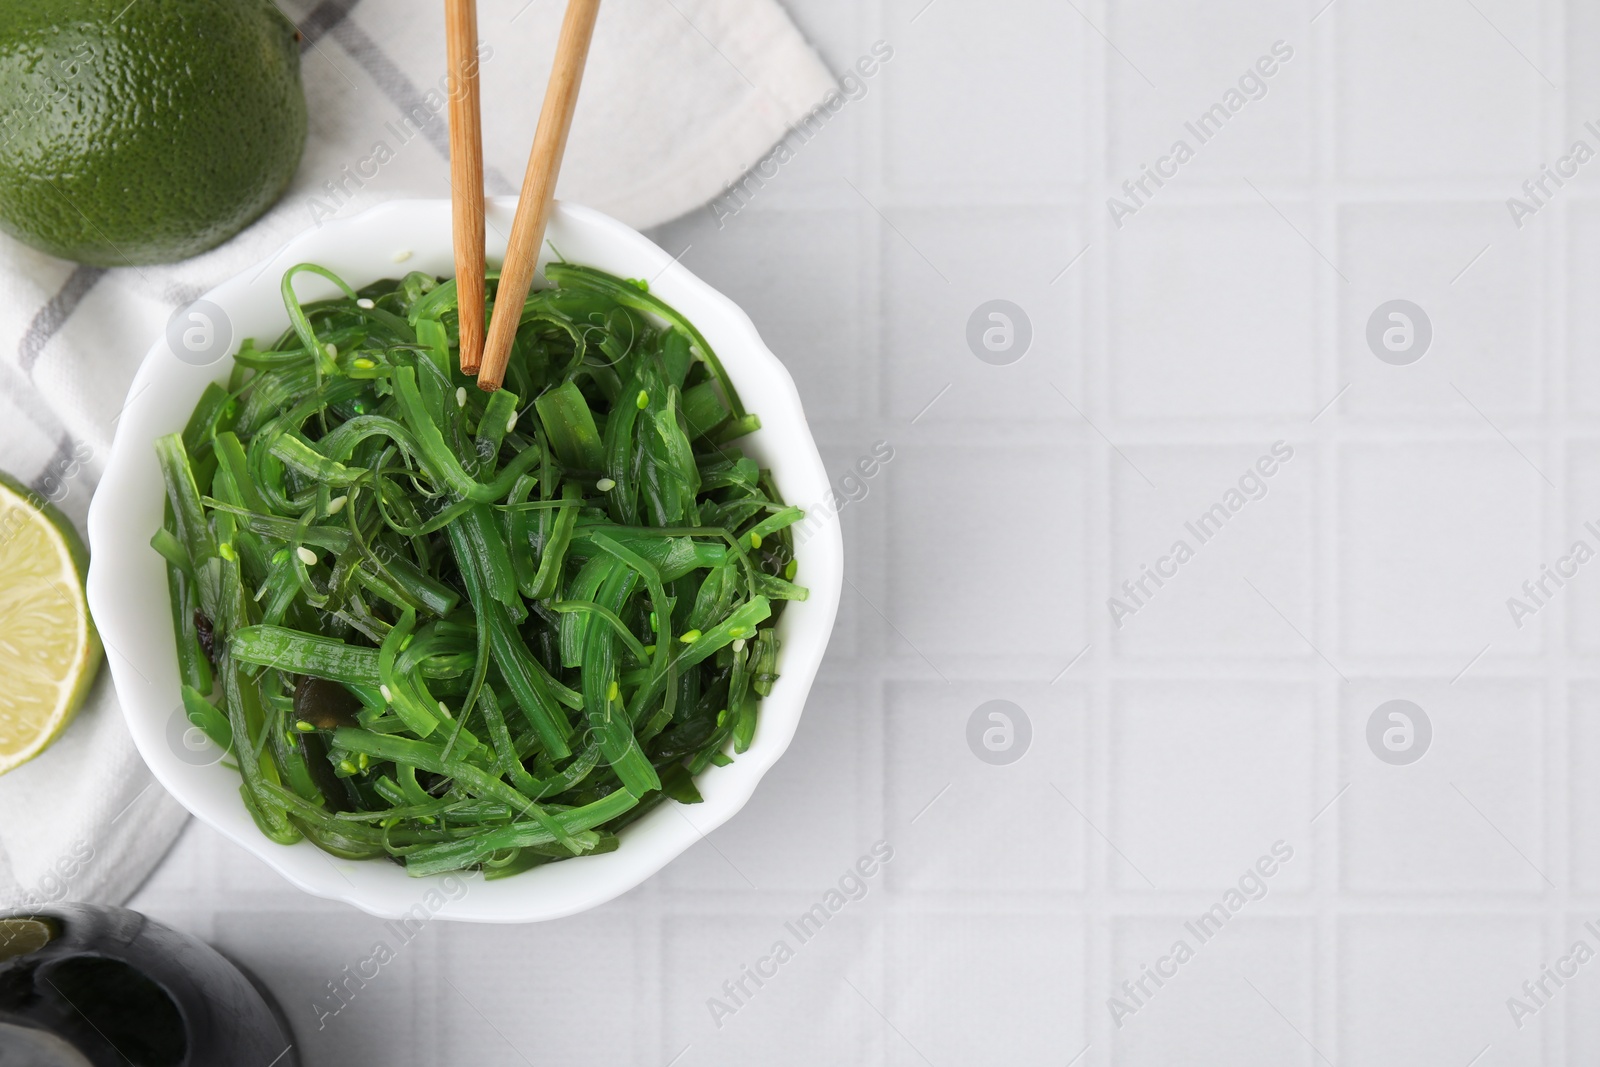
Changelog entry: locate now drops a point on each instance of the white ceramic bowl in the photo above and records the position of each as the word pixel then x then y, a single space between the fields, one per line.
pixel 128 593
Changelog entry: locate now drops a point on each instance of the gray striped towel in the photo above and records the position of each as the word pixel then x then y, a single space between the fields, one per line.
pixel 680 98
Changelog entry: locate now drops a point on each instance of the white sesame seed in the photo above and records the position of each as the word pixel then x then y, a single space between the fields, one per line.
pixel 365 304
pixel 337 504
pixel 461 396
pixel 308 557
pixel 444 710
pixel 401 256
pixel 511 423
pixel 385 691
pixel 332 350
pixel 605 485
pixel 738 646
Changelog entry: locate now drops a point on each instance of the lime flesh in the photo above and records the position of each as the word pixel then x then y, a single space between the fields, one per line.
pixel 49 650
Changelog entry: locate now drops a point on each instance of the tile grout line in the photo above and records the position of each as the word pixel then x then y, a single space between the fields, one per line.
pixel 1097 388
pixel 1322 42
pixel 1557 691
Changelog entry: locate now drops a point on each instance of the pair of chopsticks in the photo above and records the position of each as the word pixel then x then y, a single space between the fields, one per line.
pixel 486 354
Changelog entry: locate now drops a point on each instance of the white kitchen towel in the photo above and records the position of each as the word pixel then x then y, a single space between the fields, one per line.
pixel 680 98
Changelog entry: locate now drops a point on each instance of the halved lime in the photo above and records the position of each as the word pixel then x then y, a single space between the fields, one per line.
pixel 49 651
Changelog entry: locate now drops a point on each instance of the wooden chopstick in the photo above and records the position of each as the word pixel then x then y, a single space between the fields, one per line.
pixel 538 189
pixel 466 174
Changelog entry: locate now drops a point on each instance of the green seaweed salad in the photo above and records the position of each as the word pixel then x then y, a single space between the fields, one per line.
pixel 472 630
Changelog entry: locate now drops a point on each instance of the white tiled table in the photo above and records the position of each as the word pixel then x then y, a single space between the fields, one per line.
pixel 1231 711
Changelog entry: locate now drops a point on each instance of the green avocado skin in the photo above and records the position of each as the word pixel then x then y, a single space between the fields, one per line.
pixel 144 132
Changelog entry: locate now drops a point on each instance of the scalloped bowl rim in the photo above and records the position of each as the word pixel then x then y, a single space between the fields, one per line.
pixel 127 583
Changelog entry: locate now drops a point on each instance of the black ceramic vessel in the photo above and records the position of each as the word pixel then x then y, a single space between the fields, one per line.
pixel 88 986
